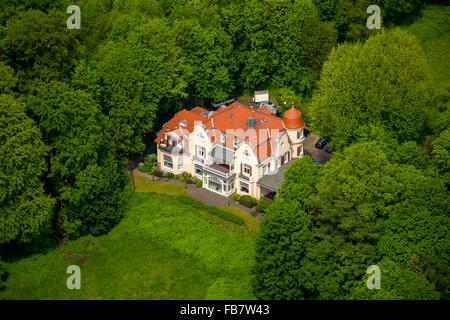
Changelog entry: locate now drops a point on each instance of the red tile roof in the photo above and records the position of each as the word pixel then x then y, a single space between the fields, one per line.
pixel 232 122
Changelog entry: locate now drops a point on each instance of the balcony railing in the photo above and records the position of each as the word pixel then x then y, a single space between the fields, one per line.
pixel 223 170
pixel 170 146
pixel 198 159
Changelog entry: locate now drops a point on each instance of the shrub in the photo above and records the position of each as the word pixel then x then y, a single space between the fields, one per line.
pixel 210 209
pixel 176 177
pixel 170 175
pixel 254 202
pixel 235 197
pixel 157 172
pixel 145 169
pixel 150 161
pixel 199 183
pixel 187 177
pixel 246 201
pixel 263 205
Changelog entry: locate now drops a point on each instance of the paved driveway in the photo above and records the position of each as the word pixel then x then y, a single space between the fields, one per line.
pixel 316 154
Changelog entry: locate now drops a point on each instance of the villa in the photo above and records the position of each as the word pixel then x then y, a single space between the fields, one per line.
pixel 234 149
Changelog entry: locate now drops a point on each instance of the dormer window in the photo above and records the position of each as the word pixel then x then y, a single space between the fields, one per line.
pixel 183 123
pixel 235 143
pixel 223 138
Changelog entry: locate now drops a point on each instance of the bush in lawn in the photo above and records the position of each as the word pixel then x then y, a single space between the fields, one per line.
pixel 263 205
pixel 235 197
pixel 150 161
pixel 254 202
pixel 210 209
pixel 157 172
pixel 187 177
pixel 176 177
pixel 199 183
pixel 246 201
pixel 170 175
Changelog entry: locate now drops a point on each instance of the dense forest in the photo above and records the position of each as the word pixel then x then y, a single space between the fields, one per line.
pixel 77 104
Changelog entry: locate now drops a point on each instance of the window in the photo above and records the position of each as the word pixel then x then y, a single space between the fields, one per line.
pixel 201 152
pixel 247 170
pixel 299 151
pixel 244 188
pixel 223 138
pixel 198 171
pixel 282 144
pixel 298 134
pixel 246 153
pixel 180 164
pixel 168 163
pixel 235 143
pixel 230 186
pixel 265 169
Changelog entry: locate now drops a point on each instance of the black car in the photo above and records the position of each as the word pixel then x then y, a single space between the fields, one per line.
pixel 322 142
pixel 329 149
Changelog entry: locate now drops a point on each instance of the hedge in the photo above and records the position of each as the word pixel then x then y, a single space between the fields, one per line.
pixel 246 201
pixel 235 197
pixel 210 209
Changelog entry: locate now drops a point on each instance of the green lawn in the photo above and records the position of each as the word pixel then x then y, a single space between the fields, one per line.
pixel 162 249
pixel 146 185
pixel 251 222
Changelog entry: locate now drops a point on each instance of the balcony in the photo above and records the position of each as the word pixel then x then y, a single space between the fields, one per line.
pixel 198 159
pixel 220 169
pixel 170 146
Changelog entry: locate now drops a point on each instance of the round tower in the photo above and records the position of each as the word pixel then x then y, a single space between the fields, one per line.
pixel 293 121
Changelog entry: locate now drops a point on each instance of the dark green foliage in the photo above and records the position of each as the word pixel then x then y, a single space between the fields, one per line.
pixel 235 197
pixel 210 209
pixel 25 211
pixel 2 274
pixel 157 172
pixel 397 283
pixel 187 178
pixel 247 201
pixel 285 46
pixel 199 183
pixel 263 205
pixel 300 180
pixel 169 175
pixel 39 47
pixel 141 76
pixel 441 156
pixel 280 247
pixel 7 79
pixel 84 176
pixel 383 82
pixel 150 161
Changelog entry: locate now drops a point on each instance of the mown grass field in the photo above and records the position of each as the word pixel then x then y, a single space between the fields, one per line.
pixel 146 185
pixel 162 249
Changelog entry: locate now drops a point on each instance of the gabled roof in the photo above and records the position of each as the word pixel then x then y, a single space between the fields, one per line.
pixel 184 119
pixel 232 124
